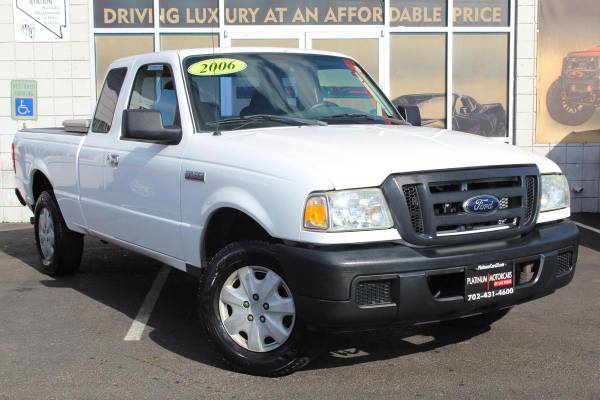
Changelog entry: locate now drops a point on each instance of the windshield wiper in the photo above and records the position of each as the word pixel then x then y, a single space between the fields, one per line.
pixel 267 117
pixel 357 116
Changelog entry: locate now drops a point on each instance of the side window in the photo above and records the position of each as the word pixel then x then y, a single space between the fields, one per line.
pixel 107 102
pixel 154 89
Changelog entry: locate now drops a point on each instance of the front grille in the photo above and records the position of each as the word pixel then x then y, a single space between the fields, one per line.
pixel 372 293
pixel 429 207
pixel 531 197
pixel 411 194
pixel 564 263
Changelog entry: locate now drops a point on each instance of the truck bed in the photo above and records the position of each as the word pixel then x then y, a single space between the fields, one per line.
pixel 57 130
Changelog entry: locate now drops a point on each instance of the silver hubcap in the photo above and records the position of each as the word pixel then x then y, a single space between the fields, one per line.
pixel 46 234
pixel 257 309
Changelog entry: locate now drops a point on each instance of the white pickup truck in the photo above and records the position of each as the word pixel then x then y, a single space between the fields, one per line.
pixel 302 199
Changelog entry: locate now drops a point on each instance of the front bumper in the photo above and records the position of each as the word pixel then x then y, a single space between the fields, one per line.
pixel 324 280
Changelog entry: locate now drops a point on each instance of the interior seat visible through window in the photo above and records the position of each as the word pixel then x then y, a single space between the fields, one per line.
pixel 154 89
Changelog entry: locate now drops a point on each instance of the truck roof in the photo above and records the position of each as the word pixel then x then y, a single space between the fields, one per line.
pixel 232 50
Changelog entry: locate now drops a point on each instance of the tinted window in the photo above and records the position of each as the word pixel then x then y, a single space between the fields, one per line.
pixel 105 110
pixel 154 89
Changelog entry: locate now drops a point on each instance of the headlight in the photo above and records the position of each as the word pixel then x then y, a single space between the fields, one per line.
pixel 555 193
pixel 347 210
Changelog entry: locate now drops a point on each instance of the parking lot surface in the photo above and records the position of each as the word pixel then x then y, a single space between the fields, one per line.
pixel 64 339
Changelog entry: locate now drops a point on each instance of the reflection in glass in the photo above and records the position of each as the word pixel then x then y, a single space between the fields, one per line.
pixel 365 51
pixel 418 77
pixel 481 83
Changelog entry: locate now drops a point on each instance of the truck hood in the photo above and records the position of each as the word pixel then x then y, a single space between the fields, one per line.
pixel 353 156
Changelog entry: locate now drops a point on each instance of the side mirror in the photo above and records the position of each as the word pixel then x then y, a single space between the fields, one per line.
pixel 464 110
pixel 147 126
pixel 412 114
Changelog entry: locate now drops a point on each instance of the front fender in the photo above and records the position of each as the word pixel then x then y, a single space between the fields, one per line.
pixel 244 202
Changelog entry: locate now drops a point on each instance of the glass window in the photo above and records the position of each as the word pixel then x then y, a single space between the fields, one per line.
pixel 154 89
pixel 107 103
pixel 365 51
pixel 111 47
pixel 419 77
pixel 289 43
pixel 174 41
pixel 292 86
pixel 481 83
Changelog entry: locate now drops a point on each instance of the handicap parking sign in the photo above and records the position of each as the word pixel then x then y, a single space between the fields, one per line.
pixel 24 99
pixel 24 107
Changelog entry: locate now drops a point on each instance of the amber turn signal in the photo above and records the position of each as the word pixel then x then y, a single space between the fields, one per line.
pixel 315 213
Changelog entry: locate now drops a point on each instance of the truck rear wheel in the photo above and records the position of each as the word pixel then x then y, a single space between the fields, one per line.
pixel 249 314
pixel 59 248
pixel 565 112
pixel 478 321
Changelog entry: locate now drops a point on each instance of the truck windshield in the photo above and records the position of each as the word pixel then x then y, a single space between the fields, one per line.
pixel 244 91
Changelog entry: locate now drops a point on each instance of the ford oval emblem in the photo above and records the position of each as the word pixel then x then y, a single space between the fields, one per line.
pixel 482 205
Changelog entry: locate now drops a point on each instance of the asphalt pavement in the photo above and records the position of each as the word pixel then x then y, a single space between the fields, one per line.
pixel 65 339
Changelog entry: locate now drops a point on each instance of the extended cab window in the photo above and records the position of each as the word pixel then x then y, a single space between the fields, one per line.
pixel 154 89
pixel 107 103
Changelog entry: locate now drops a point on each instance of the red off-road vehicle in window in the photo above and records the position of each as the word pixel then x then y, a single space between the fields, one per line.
pixel 573 98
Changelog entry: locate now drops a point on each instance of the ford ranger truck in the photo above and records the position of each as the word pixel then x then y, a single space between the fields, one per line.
pixel 288 183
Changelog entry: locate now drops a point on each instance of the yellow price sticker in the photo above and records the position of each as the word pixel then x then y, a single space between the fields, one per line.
pixel 217 66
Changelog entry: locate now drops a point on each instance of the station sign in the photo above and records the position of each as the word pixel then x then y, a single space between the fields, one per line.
pixel 41 20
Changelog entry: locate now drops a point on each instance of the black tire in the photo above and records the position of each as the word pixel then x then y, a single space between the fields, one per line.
pixel 564 112
pixel 478 321
pixel 292 355
pixel 67 247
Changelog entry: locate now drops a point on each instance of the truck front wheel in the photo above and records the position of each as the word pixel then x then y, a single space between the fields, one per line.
pixel 59 248
pixel 564 111
pixel 249 314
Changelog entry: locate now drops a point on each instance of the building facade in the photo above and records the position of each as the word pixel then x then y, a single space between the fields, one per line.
pixel 468 64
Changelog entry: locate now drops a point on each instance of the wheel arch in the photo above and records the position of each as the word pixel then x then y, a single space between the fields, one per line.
pixel 39 183
pixel 228 224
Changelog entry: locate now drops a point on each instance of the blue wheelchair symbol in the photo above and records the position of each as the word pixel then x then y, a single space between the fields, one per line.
pixel 24 107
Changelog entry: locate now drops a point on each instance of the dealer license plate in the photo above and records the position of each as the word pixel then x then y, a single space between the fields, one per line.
pixel 488 281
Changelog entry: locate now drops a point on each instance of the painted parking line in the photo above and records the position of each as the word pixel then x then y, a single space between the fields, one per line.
pixel 141 319
pixel 589 228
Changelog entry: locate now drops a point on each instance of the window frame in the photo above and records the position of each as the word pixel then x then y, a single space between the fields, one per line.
pixel 177 115
pixel 114 112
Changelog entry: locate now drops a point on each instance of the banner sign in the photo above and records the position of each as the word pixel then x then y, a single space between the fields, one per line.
pixel 194 13
pixel 41 20
pixel 189 13
pixel 303 12
pixel 434 13
pixel 568 76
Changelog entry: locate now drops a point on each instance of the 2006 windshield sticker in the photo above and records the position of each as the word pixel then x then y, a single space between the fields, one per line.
pixel 217 66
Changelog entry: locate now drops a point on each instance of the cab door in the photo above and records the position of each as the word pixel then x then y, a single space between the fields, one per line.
pixel 142 179
pixel 92 155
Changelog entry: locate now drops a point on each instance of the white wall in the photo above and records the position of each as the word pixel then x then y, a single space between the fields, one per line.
pixel 62 71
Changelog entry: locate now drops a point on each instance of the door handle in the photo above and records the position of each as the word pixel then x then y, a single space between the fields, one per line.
pixel 112 160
